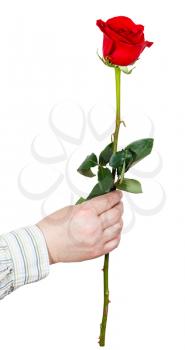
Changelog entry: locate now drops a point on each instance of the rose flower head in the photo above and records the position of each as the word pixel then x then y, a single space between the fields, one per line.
pixel 123 40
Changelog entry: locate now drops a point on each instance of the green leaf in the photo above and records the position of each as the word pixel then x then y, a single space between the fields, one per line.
pixel 89 162
pixel 128 162
pixel 131 154
pixel 106 154
pixel 129 185
pixel 96 191
pixel 80 200
pixel 105 179
pixel 117 159
pixel 105 183
pixel 140 149
pixel 87 173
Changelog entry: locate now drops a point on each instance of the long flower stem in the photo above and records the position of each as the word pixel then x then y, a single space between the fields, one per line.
pixel 106 259
pixel 118 106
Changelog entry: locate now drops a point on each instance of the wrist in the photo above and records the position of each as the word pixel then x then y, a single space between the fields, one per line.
pixel 51 260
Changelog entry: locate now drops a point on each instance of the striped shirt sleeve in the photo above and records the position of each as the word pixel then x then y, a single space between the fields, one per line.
pixel 23 258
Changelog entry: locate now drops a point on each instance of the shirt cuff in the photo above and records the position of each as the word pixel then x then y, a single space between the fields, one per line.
pixel 28 250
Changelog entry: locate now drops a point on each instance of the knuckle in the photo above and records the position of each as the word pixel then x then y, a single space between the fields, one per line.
pixel 104 218
pixel 108 199
pixel 122 206
pixel 84 211
pixel 116 229
pixel 121 224
pixel 96 252
pixel 91 241
pixel 120 193
pixel 117 242
pixel 117 212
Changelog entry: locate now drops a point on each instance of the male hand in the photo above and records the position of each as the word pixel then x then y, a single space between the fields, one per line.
pixel 84 231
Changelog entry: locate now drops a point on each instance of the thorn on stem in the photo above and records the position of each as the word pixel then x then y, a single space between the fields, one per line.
pixel 122 121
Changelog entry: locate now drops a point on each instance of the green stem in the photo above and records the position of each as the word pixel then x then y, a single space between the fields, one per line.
pixel 118 107
pixel 106 259
pixel 122 173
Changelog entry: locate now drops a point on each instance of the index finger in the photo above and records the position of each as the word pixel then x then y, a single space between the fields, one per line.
pixel 105 201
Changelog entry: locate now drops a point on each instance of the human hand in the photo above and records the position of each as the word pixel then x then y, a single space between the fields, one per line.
pixel 84 231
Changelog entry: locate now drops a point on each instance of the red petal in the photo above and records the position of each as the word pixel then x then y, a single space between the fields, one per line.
pixel 148 43
pixel 121 22
pixel 100 24
pixel 108 45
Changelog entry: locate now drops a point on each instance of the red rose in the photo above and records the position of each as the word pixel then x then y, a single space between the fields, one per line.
pixel 123 40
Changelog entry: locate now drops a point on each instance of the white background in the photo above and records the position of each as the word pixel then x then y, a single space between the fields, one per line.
pixel 48 57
